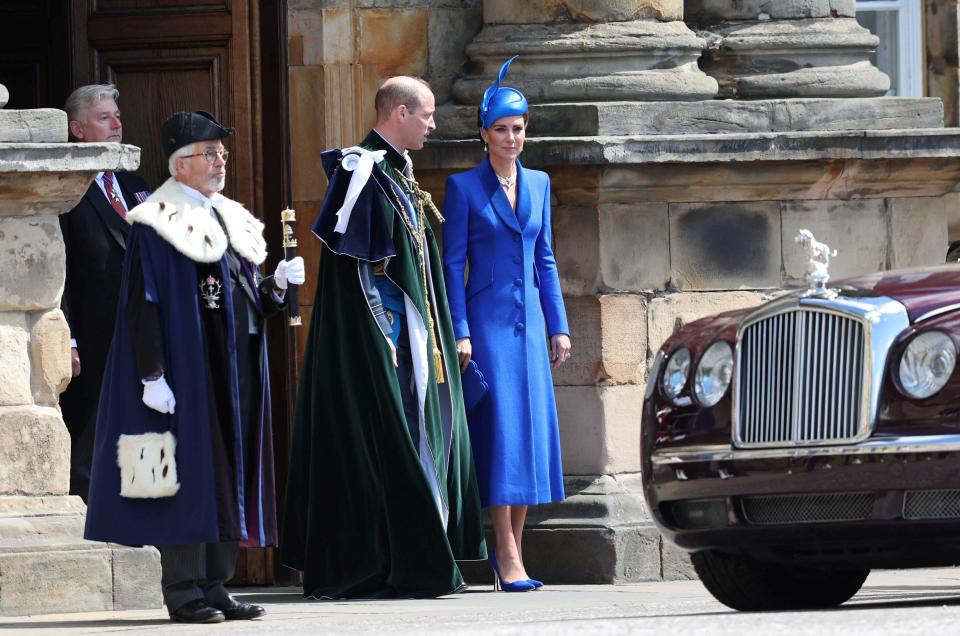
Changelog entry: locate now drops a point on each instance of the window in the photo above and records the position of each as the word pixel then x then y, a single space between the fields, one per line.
pixel 899 55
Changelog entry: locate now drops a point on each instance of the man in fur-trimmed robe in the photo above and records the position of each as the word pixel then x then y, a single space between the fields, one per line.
pixel 183 457
pixel 382 497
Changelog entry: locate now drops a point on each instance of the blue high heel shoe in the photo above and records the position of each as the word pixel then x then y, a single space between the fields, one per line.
pixel 499 583
pixel 535 583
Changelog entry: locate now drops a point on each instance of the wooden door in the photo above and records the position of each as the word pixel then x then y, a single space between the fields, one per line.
pixel 171 55
pixel 224 57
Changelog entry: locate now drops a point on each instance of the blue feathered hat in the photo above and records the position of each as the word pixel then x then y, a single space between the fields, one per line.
pixel 501 101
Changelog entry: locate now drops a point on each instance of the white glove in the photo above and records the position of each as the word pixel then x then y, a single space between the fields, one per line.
pixel 291 271
pixel 158 396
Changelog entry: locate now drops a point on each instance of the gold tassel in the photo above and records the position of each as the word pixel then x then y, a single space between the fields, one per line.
pixel 438 365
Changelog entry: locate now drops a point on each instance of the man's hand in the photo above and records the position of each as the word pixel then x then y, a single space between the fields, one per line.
pixel 465 351
pixel 393 352
pixel 75 361
pixel 291 271
pixel 158 396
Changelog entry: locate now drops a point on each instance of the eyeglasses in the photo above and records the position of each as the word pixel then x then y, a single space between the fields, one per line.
pixel 211 155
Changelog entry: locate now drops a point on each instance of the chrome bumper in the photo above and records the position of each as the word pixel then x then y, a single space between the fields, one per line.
pixel 885 446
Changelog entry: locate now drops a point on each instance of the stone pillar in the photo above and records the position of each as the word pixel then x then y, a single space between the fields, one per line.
pixel 588 50
pixel 45 564
pixel 789 48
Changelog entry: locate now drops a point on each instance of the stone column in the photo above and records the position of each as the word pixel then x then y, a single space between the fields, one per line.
pixel 787 48
pixel 588 50
pixel 45 564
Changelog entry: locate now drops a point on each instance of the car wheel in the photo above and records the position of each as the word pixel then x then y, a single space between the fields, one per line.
pixel 750 585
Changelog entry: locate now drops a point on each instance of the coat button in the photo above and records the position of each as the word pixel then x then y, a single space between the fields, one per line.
pixel 519 304
pixel 517 259
pixel 519 326
pixel 518 282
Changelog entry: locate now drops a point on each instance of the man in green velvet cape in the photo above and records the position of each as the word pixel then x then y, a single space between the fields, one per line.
pixel 381 497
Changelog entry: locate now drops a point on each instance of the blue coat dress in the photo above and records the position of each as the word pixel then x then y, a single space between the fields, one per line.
pixel 508 308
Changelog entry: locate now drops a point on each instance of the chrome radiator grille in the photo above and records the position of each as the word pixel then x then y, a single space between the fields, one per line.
pixel 800 379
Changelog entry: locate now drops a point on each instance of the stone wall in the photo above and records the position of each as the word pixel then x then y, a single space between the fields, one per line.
pixel 45 564
pixel 340 51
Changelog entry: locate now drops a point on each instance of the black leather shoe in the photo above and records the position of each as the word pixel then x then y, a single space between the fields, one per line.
pixel 234 610
pixel 196 612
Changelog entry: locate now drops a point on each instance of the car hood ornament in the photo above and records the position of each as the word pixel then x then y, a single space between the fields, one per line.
pixel 818 263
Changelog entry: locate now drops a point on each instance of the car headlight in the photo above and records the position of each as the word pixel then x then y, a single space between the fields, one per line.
pixel 927 363
pixel 713 375
pixel 675 374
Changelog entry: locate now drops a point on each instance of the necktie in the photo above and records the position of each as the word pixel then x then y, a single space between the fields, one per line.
pixel 112 195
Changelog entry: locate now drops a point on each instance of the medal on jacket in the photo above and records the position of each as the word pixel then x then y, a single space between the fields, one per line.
pixel 210 290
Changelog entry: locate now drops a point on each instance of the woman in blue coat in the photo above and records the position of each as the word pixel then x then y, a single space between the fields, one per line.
pixel 510 319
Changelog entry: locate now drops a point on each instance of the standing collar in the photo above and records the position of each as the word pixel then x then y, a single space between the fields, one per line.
pixel 396 159
pixel 208 202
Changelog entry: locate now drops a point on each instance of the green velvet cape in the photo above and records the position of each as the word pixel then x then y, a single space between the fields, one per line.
pixel 361 519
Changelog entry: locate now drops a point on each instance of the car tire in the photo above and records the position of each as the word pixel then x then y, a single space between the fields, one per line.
pixel 750 585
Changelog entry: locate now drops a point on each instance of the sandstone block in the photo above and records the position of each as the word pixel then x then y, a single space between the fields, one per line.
pixel 33 263
pixel 604 61
pixel 47 581
pixel 136 577
pixel 706 10
pixel 862 224
pixel 589 11
pixel 676 564
pixel 306 91
pixel 576 247
pixel 624 337
pixel 632 240
pixel 816 57
pixel 450 30
pixel 34 451
pixel 918 227
pixel 322 36
pixel 395 40
pixel 609 335
pixel 14 360
pixel 952 205
pixel 50 357
pixel 39 125
pixel 600 428
pixel 668 313
pixel 725 245
pixel 709 117
pixel 585 366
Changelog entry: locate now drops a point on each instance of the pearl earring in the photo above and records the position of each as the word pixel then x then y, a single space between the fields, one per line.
pixel 485 147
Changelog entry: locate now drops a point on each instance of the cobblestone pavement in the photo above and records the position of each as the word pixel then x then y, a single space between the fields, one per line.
pixel 892 602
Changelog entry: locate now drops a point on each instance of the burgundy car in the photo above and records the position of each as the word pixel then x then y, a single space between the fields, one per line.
pixel 794 446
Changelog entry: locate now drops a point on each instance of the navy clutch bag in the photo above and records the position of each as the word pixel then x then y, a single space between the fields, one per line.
pixel 474 386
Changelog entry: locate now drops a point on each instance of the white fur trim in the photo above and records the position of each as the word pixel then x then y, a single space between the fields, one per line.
pixel 191 229
pixel 148 466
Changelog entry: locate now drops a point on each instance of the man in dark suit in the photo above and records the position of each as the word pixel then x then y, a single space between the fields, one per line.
pixel 94 233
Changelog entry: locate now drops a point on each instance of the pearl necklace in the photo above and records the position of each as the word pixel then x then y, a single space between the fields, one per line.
pixel 507 182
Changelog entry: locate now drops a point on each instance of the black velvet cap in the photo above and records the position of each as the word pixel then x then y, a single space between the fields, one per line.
pixel 185 128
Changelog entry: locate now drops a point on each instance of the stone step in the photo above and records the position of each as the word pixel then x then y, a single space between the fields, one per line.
pixel 47 566
pixel 707 117
pixel 54 575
